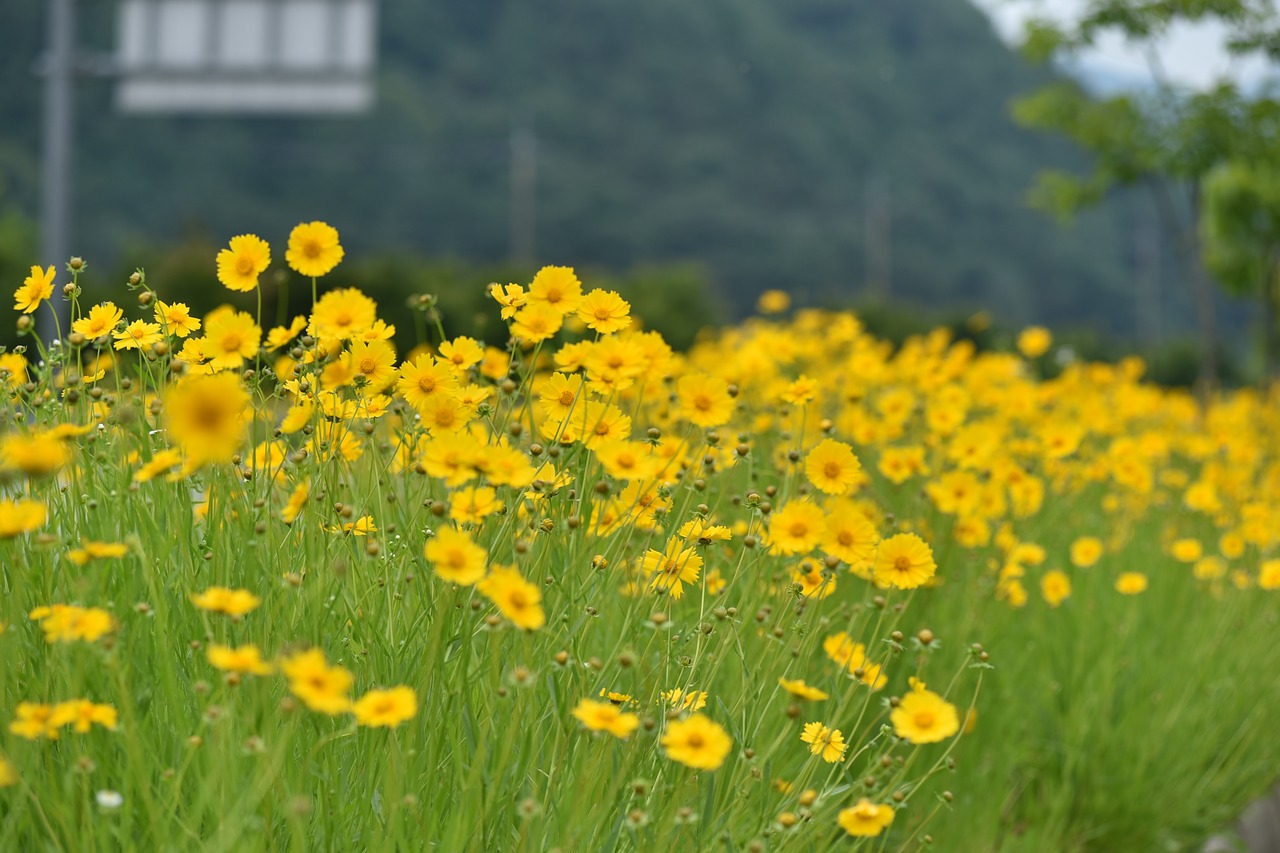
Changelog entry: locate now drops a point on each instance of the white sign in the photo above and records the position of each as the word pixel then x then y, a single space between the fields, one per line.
pixel 300 56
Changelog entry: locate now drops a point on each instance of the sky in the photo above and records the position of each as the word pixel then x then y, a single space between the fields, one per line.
pixel 1192 55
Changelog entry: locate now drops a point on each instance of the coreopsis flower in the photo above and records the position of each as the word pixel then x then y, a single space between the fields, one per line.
pixel 923 716
pixel 1055 586
pixel 176 319
pixel 519 600
pixel 1034 341
pixel 297 501
pixel 557 288
pixel 314 249
pixel 670 569
pixel 796 528
pixel 101 320
pixel 386 708
pixel 374 362
pixel 321 687
pixel 280 336
pixel 34 721
pixel 205 416
pixel 704 531
pixel 628 460
pixel 1086 551
pixel 341 315
pixel 704 400
pixel 773 302
pixel 604 311
pixel 36 455
pixel 849 535
pixel 235 603
pixel 844 652
pixel 13 369
pixel 685 700
pixel 20 516
pixel 808 575
pixel 832 467
pixel 899 464
pixel 606 717
pixel 1131 583
pixel 904 561
pixel 230 338
pixel 66 623
pixel 162 462
pixel 698 742
pixel 244 659
pixel 866 819
pixel 90 550
pixel 829 743
pixel 35 288
pixel 511 297
pixel 461 353
pixel 801 690
pixel 1269 574
pixel 536 322
pixel 473 504
pixel 246 258
pixel 455 557
pixel 137 335
pixel 1186 550
pixel 82 715
pixel 800 392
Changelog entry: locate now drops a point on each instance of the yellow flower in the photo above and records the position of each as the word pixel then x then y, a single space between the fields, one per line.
pixel 386 708
pixel 511 297
pixel 704 400
pixel 35 455
pixel 796 528
pixel 176 318
pixel 101 320
pixel 8 773
pixel 904 561
pixel 685 700
pixel 1034 341
pixel 163 462
pixel 137 335
pixel 375 362
pixel 671 568
pixel 342 314
pixel 66 623
pixel 21 516
pixel 1055 586
pixel 36 288
pixel 90 550
pixel 461 353
pixel 230 337
pixel 698 742
pixel 557 288
pixel 314 249
pixel 832 467
pixel 321 687
pixel 518 599
pixel 773 302
pixel 240 265
pixel 35 721
pixel 1131 583
pixel 1186 550
pixel 536 322
pixel 82 715
pixel 1086 551
pixel 604 311
pixel 281 335
pixel 205 417
pixel 804 691
pixel 455 557
pixel 13 369
pixel 472 505
pixel 923 716
pixel 605 717
pixel 246 659
pixel 829 743
pixel 233 602
pixel 802 391
pixel 297 501
pixel 866 819
pixel 1269 574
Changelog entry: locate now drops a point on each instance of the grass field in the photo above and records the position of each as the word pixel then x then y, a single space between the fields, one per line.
pixel 793 589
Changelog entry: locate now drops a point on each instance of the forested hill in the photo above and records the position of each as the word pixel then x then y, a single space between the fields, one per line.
pixel 750 135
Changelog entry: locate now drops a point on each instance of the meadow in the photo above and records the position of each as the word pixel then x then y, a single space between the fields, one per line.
pixel 284 588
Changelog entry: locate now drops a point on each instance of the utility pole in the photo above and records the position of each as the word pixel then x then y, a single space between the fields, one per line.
pixel 524 175
pixel 55 188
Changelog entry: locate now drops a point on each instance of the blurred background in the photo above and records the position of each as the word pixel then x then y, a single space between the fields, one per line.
pixel 919 160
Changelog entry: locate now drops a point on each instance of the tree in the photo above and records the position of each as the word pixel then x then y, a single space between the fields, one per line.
pixel 1165 139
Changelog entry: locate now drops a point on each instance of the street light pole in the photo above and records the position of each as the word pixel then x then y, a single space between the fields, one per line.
pixel 55 185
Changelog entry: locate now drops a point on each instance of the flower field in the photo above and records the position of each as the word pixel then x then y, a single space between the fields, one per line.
pixel 285 588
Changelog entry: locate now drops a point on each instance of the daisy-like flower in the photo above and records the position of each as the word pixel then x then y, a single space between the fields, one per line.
pixel 832 467
pixel 519 600
pixel 605 717
pixel 672 568
pixel 36 288
pixel 245 659
pixel 829 743
pixel 800 689
pixel 100 320
pixel 321 687
pixel 455 557
pixel 239 265
pixel 904 561
pixel 866 819
pixel 314 249
pixel 386 708
pixel 232 602
pixel 923 716
pixel 175 318
pixel 698 742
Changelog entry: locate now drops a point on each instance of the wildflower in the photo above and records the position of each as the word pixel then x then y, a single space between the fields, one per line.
pixel 1055 586
pixel 205 416
pixel 518 599
pixel 1131 583
pixel 137 335
pixel 297 501
pixel 342 314
pixel 233 602
pixel 685 700
pixel 1186 550
pixel 536 322
pixel 35 455
pixel 108 800
pixel 21 516
pixel 374 361
pixel 773 302
pixel 162 462
pixel 386 708
pixel 35 721
pixel 64 623
pixel 314 249
pixel 82 715
pixel 671 568
pixel 829 743
pixel 1269 574
pixel 605 717
pixel 280 336
pixel 321 687
pixel 802 690
pixel 176 318
pixel 832 467
pixel 923 716
pixel 461 353
pixel 629 460
pixel 698 742
pixel 812 581
pixel 866 818
pixel 455 557
pixel 704 400
pixel 1209 568
pixel 36 288
pixel 239 265
pixel 904 561
pixel 230 337
pixel 557 288
pixel 246 659
pixel 801 392
pixel 849 535
pixel 511 297
pixel 604 311
pixel 101 320
pixel 796 528
pixel 1086 551
pixel 1034 341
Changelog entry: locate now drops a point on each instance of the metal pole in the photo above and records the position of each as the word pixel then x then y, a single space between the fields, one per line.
pixel 55 184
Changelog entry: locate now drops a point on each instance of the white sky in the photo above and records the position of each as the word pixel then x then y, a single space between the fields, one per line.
pixel 1192 55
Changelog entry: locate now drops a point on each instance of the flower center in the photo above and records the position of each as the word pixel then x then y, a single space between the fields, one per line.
pixel 902 564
